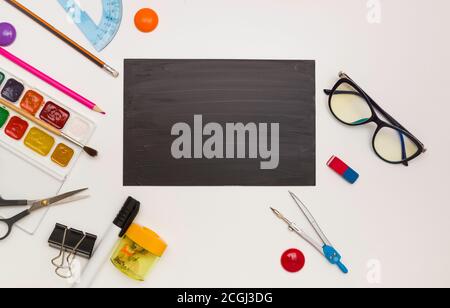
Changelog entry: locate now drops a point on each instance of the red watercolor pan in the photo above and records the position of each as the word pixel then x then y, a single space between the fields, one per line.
pixel 16 128
pixel 54 115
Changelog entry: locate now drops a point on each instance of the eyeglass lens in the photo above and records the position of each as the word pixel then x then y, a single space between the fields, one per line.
pixel 394 146
pixel 349 106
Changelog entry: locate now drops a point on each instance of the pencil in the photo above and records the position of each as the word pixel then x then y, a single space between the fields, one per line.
pixel 91 152
pixel 64 37
pixel 50 81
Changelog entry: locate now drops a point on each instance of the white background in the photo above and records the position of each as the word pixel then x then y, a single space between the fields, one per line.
pixel 227 237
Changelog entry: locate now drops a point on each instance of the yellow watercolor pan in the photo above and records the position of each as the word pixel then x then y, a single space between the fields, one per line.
pixel 39 141
pixel 62 155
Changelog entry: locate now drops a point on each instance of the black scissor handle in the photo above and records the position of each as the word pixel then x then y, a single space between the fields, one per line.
pixel 4 202
pixel 10 222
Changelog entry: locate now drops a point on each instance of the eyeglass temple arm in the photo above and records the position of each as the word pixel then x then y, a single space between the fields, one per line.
pixel 378 108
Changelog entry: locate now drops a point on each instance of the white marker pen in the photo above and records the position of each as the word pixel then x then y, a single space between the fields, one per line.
pixel 105 247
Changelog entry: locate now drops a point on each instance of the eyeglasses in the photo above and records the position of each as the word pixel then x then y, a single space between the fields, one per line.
pixel 352 106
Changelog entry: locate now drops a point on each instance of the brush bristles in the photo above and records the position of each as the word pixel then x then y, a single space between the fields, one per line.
pixel 90 151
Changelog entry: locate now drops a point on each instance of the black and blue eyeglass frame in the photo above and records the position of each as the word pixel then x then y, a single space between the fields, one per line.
pixel 392 142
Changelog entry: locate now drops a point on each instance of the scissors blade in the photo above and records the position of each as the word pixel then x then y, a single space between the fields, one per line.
pixel 65 196
pixel 311 219
pixel 56 199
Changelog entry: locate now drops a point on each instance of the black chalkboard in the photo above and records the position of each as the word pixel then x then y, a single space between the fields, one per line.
pixel 238 102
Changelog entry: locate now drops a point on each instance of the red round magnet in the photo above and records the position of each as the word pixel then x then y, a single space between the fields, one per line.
pixel 293 260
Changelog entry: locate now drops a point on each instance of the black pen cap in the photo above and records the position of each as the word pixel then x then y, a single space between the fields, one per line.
pixel 127 215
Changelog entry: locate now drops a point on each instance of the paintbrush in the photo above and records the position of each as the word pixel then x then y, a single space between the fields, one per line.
pixel 30 117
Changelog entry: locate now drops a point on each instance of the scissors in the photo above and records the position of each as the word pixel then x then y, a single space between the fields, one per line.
pixel 6 225
pixel 326 249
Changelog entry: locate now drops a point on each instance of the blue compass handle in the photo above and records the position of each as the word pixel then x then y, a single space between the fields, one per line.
pixel 342 268
pixel 334 258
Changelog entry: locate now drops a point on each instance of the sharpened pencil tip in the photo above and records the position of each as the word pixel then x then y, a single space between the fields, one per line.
pixel 99 110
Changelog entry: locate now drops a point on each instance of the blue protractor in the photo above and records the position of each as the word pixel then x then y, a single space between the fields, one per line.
pixel 99 35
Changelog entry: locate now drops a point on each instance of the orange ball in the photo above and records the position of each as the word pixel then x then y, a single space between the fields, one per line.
pixel 146 20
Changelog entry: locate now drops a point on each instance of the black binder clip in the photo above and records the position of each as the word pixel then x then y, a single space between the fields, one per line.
pixel 70 241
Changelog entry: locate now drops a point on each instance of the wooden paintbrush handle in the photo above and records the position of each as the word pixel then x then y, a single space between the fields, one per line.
pixel 48 127
pixel 30 117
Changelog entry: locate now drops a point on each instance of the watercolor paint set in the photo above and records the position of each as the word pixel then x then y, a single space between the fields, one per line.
pixel 51 153
pixel 40 158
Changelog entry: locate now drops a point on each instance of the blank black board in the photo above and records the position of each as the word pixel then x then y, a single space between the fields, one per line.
pixel 161 93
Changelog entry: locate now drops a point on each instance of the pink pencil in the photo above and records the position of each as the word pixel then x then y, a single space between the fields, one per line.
pixel 50 81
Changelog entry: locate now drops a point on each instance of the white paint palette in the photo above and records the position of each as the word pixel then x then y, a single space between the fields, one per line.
pixel 33 161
